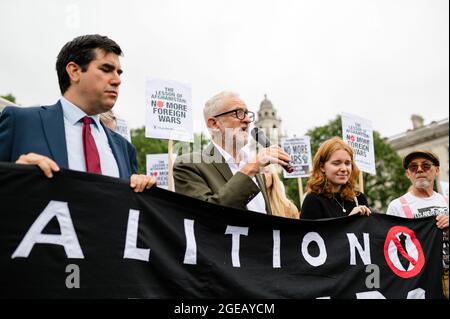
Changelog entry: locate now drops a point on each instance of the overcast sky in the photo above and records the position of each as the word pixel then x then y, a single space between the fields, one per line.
pixel 382 60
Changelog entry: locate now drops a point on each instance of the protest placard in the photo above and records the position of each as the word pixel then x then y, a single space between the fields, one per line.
pixel 168 110
pixel 357 132
pixel 157 166
pixel 300 151
pixel 123 129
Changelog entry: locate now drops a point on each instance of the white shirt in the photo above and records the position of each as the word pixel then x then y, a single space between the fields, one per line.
pixel 257 204
pixel 420 206
pixel 73 127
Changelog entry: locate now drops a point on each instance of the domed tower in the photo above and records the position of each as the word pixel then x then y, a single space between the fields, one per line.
pixel 268 121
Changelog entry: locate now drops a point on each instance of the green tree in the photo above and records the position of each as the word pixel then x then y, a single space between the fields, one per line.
pixel 146 146
pixel 9 97
pixel 388 183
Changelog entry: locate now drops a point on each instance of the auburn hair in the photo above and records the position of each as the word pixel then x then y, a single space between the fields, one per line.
pixel 318 183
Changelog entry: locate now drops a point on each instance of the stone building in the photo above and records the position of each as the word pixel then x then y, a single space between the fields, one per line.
pixel 268 120
pixel 430 137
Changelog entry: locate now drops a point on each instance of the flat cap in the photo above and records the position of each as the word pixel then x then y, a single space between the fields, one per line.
pixel 425 154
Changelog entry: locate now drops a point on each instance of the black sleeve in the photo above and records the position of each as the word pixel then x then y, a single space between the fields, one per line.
pixel 362 200
pixel 311 208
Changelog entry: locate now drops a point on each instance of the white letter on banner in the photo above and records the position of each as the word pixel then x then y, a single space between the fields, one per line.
pixel 236 231
pixel 276 249
pixel 354 245
pixel 131 251
pixel 68 238
pixel 417 293
pixel 190 256
pixel 375 294
pixel 314 261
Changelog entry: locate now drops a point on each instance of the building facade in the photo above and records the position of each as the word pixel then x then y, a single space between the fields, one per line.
pixel 268 120
pixel 431 137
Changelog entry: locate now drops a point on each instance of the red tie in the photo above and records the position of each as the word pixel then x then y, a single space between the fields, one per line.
pixel 90 149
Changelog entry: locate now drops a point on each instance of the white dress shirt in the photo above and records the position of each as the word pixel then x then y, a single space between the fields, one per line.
pixel 257 204
pixel 73 126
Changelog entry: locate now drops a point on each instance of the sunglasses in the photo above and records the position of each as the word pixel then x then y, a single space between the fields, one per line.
pixel 414 167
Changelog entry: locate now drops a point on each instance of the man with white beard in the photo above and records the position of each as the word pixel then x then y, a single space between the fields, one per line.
pixel 421 168
pixel 224 173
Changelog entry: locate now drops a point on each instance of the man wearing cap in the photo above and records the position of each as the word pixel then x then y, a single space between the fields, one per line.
pixel 421 168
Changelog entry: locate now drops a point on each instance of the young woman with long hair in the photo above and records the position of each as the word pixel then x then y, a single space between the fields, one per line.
pixel 279 203
pixel 332 186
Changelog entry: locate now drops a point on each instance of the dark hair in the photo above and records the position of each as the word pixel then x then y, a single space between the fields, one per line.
pixel 81 51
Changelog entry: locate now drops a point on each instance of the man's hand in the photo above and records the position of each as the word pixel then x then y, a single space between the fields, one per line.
pixel 140 182
pixel 270 155
pixel 442 221
pixel 47 165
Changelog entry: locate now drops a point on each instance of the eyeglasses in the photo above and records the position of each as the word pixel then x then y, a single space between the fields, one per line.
pixel 240 114
pixel 414 167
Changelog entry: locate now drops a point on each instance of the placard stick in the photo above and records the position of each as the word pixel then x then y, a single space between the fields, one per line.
pixel 170 165
pixel 361 182
pixel 300 190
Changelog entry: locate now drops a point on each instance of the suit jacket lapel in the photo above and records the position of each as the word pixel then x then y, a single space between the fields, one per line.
pixel 214 157
pixel 118 155
pixel 52 118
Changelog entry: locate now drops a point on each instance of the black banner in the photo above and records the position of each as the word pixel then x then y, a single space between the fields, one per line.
pixel 79 235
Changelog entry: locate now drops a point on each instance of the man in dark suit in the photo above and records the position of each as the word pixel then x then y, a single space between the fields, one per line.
pixel 51 137
pixel 224 173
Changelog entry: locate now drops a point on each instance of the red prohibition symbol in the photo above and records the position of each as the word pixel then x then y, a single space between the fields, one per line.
pixel 411 251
